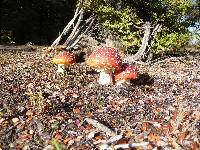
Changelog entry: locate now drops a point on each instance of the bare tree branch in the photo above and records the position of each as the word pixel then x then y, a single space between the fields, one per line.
pixel 67 28
pixel 75 28
pixel 79 37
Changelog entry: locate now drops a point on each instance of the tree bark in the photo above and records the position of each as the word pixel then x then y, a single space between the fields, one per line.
pixel 142 52
pixel 145 53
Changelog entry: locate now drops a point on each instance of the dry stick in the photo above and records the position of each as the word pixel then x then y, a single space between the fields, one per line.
pixel 180 117
pixel 129 59
pixel 75 41
pixel 75 28
pixel 156 30
pixel 114 137
pixel 75 36
pixel 140 27
pixel 104 146
pixel 78 38
pixel 90 21
pixel 101 127
pixel 132 145
pixel 67 28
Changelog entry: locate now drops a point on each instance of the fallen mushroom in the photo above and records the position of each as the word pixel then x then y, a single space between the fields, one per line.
pixel 63 59
pixel 127 73
pixel 105 60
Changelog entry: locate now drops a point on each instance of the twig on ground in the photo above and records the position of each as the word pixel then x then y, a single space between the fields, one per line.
pixel 105 146
pixel 114 139
pixel 101 127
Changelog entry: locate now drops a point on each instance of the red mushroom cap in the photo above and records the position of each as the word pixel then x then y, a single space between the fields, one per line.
pixel 64 57
pixel 106 58
pixel 127 72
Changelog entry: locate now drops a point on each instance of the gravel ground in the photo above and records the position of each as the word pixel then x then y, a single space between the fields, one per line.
pixel 40 109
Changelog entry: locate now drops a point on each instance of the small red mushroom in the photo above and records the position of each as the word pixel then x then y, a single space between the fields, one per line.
pixel 105 60
pixel 63 59
pixel 127 73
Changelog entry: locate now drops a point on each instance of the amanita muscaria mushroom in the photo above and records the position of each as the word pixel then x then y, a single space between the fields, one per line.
pixel 63 59
pixel 105 60
pixel 127 73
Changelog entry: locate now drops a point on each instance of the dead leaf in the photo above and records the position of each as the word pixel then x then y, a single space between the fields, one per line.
pixel 181 137
pixel 129 133
pixel 58 136
pixel 24 137
pixel 31 131
pixel 98 137
pixel 195 146
pixel 1 120
pixel 196 115
pixel 122 141
pixel 76 110
pixel 174 115
pixel 15 120
pixel 166 128
pixel 153 137
pixel 70 142
pixel 67 139
pixel 144 126
pixel 174 143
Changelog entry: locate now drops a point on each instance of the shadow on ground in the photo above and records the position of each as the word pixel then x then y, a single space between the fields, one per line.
pixel 143 79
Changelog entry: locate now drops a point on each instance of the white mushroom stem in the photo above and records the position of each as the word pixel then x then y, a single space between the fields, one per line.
pixel 120 82
pixel 105 78
pixel 61 68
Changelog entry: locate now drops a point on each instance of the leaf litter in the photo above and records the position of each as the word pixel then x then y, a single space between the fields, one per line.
pixel 40 109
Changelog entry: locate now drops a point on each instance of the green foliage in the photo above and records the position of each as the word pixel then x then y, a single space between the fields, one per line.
pixel 169 41
pixel 6 37
pixel 121 23
pixel 1 113
pixel 36 99
pixel 57 145
pixel 121 18
pixel 89 4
